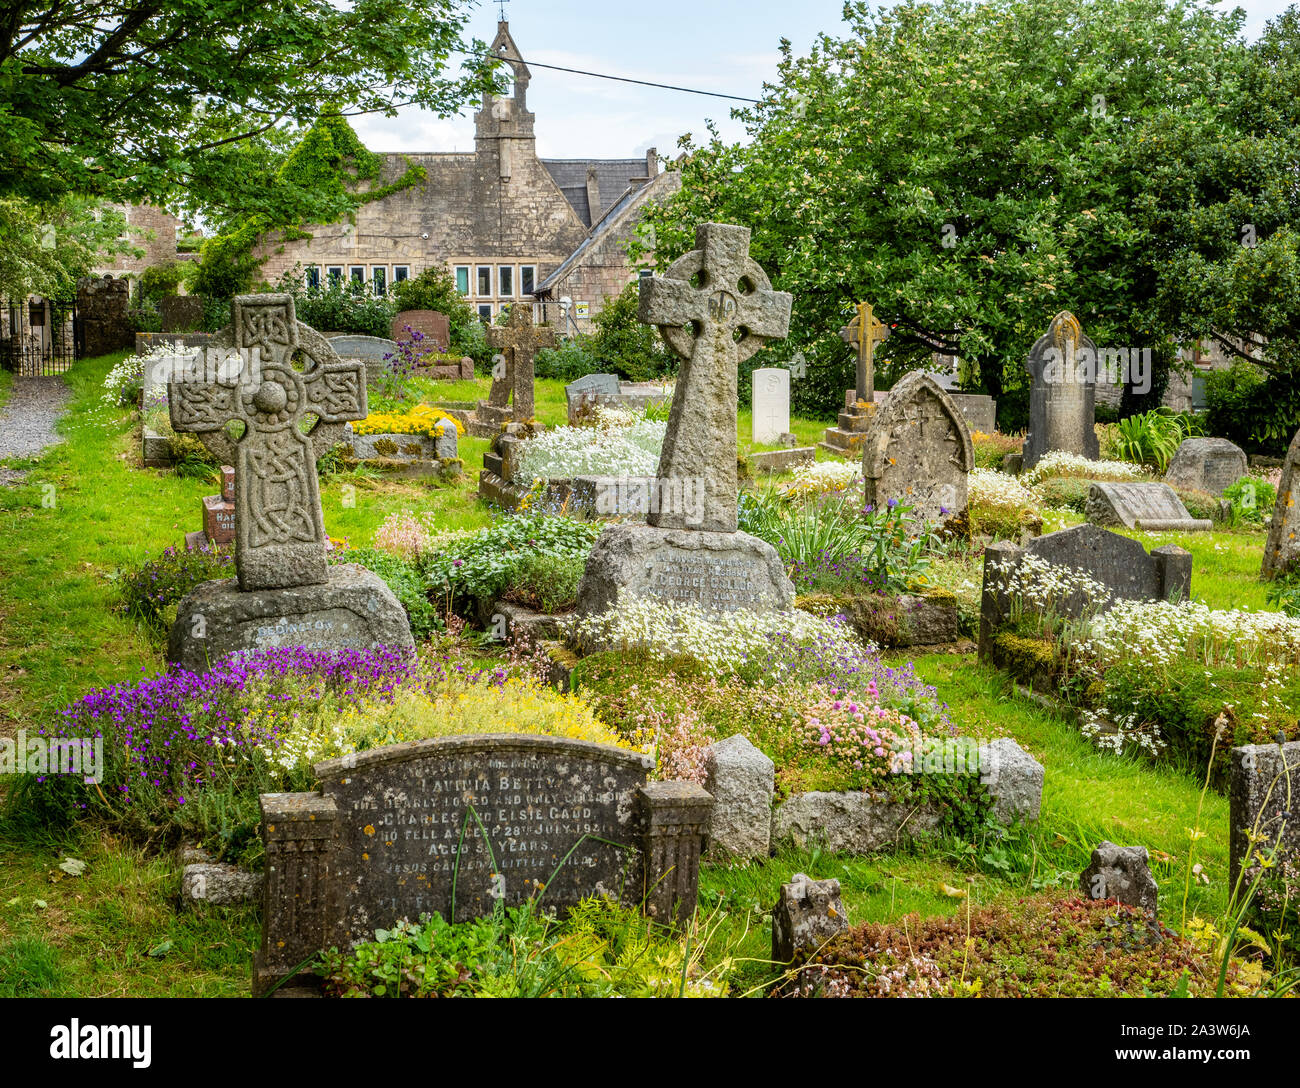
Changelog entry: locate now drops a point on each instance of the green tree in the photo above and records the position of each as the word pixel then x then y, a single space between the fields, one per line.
pixel 631 349
pixel 140 99
pixel 46 248
pixel 971 169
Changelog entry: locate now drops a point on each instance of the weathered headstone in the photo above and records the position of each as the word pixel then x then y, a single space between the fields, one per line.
pixel 180 313
pixel 433 325
pixel 741 780
pixel 918 451
pixel 807 915
pixel 374 351
pixel 713 327
pixel 1263 784
pixel 1062 398
pixel 102 305
pixel 689 550
pixel 770 417
pixel 1282 549
pixel 291 394
pixel 218 515
pixel 1120 872
pixel 1154 507
pixel 1119 563
pixel 1207 464
pixel 517 344
pixel 457 825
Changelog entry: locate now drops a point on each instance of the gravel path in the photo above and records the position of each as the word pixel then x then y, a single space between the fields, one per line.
pixel 27 420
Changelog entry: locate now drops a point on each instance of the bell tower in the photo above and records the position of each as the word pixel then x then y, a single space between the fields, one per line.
pixel 504 127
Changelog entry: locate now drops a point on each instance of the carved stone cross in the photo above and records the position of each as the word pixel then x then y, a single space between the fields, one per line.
pixel 852 333
pixel 519 341
pixel 292 394
pixel 714 307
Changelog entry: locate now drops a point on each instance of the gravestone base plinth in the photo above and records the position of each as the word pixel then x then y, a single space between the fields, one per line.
pixel 355 609
pixel 721 572
pixel 846 439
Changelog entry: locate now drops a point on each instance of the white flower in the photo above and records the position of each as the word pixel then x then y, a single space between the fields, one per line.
pixel 1060 463
pixel 624 450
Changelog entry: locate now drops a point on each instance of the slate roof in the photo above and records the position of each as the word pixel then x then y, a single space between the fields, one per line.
pixel 613 176
pixel 610 221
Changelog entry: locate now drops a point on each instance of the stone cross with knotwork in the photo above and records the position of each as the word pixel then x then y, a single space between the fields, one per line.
pixel 714 307
pixel 291 394
pixel 519 342
pixel 853 333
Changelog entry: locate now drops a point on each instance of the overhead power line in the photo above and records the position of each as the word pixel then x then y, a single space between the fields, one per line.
pixel 620 79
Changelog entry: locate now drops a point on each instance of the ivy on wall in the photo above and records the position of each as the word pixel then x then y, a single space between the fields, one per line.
pixel 327 176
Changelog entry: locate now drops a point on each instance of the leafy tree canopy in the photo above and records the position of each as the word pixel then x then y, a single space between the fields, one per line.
pixel 974 168
pixel 148 100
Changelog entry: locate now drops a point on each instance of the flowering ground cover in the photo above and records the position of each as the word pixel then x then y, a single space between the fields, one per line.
pixel 803 693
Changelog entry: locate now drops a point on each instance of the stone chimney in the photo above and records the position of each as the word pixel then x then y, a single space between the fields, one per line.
pixel 593 193
pixel 652 163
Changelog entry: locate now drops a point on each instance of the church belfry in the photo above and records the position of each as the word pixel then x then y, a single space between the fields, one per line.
pixel 504 122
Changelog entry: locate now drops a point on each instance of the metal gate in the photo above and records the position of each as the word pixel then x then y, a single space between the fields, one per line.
pixel 39 336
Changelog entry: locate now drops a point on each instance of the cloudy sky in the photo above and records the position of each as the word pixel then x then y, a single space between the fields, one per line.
pixel 726 46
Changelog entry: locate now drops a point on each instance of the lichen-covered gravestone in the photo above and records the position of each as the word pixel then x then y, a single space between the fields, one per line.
pixel 918 451
pixel 1263 783
pixel 1207 464
pixel 1152 506
pixel 1282 550
pixel 715 307
pixel 1062 398
pixel 863 333
pixel 459 826
pixel 516 345
pixel 291 395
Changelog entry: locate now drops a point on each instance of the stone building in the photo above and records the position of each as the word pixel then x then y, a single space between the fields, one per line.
pixel 148 228
pixel 505 223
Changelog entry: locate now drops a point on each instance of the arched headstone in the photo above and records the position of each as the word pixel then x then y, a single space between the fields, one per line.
pixel 1062 399
pixel 918 451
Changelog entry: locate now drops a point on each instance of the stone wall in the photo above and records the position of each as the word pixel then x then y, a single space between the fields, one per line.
pixel 150 229
pixel 101 307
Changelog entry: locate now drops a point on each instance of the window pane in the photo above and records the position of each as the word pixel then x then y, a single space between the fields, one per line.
pixel 313 275
pixel 484 279
pixel 527 279
pixel 485 312
pixel 462 280
pixel 380 276
pixel 400 272
pixel 506 280
pixel 335 273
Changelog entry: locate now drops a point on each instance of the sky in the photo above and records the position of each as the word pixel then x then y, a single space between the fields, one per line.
pixel 724 46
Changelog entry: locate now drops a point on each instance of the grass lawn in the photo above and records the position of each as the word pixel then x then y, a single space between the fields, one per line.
pixel 116 929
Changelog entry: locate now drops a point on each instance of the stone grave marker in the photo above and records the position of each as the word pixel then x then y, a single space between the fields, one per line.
pixel 218 515
pixel 374 351
pixel 918 451
pixel 181 313
pixel 1282 549
pixel 864 332
pixel 690 549
pixel 770 404
pixel 518 343
pixel 1154 507
pixel 1261 779
pixel 1207 464
pixel 434 326
pixel 1062 398
pixel 1119 563
pixel 291 396
pixel 456 825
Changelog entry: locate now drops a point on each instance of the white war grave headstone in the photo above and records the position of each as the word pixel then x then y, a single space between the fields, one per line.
pixel 771 405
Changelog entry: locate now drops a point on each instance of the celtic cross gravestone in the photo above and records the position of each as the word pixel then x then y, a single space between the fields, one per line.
pixel 518 343
pixel 714 307
pixel 270 396
pixel 864 332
